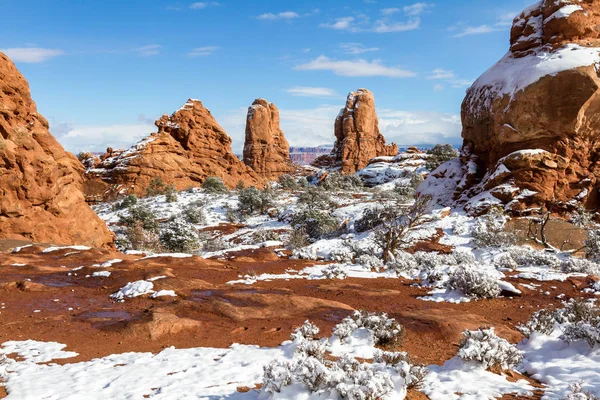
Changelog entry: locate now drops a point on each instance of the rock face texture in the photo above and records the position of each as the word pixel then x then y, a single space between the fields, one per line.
pixel 357 134
pixel 531 122
pixel 266 150
pixel 41 196
pixel 189 147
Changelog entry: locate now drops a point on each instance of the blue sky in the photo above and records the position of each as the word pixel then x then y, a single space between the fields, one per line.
pixel 102 71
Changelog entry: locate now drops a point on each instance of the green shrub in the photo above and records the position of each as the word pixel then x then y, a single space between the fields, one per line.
pixel 336 181
pixel 288 182
pixel 156 187
pixel 137 238
pixel 254 201
pixel 212 184
pixel 439 154
pixel 170 194
pixel 128 201
pixel 142 214
pixel 179 236
pixel 315 197
pixel 194 212
pixel 316 223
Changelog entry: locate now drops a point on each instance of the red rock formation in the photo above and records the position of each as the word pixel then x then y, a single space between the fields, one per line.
pixel 531 122
pixel 357 134
pixel 41 195
pixel 189 147
pixel 266 150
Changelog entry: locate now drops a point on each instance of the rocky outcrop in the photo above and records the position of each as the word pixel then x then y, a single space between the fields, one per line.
pixel 357 134
pixel 531 122
pixel 41 196
pixel 189 147
pixel 266 150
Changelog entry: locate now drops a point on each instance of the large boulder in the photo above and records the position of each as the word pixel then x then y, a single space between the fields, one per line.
pixel 266 150
pixel 41 196
pixel 357 134
pixel 531 122
pixel 189 147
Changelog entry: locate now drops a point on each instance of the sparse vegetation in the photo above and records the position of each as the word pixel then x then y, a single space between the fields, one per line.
pixel 315 197
pixel 156 187
pixel 335 181
pixel 127 202
pixel 316 223
pixel 288 182
pixel 439 154
pixel 214 185
pixel 254 201
pixel 485 347
pixel 179 236
pixel 143 214
pixel 474 281
pixel 170 194
pixel 489 230
pixel 387 331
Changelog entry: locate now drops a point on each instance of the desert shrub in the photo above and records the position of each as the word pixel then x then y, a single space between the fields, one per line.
pixel 579 320
pixel 179 236
pixel 402 262
pixel 385 330
pixel 288 182
pixel 392 234
pixel 485 347
pixel 253 201
pixel 577 392
pixel 540 258
pixel 141 214
pixel 592 245
pixel 304 253
pixel 308 330
pixel 128 201
pixel 302 182
pixel 439 154
pixel 489 230
pixel 214 185
pixel 138 238
pixel 474 281
pixel 403 193
pixel 316 223
pixel 373 217
pixel 579 265
pixel 194 212
pixel 370 261
pixel 315 197
pixel 233 215
pixel 413 374
pixel 170 194
pixel 341 254
pixel 296 239
pixel 335 271
pixel 505 261
pixel 156 187
pixel 211 244
pixel 415 179
pixel 240 185
pixel 335 181
pixel 263 235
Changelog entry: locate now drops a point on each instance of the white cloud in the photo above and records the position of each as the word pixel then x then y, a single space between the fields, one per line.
pixel 506 19
pixel 476 30
pixel 31 54
pixel 416 9
pixel 390 11
pixel 203 51
pixel 282 15
pixel 342 24
pixel 314 126
pixel 440 73
pixel 503 21
pixel 354 68
pixel 460 83
pixel 149 50
pixel 356 48
pixel 200 5
pixel 96 138
pixel 382 26
pixel 438 87
pixel 305 91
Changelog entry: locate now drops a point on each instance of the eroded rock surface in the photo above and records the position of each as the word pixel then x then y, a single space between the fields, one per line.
pixel 41 196
pixel 531 122
pixel 189 147
pixel 266 150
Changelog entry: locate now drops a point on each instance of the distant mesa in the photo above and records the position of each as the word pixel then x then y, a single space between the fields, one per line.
pixel 266 150
pixel 530 123
pixel 189 147
pixel 357 134
pixel 41 196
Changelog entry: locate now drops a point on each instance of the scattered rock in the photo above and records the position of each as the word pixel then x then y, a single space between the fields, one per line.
pixel 41 196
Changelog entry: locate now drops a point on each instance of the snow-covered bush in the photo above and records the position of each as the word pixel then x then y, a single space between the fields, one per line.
pixel 254 201
pixel 137 238
pixel 577 392
pixel 592 245
pixel 541 321
pixel 524 256
pixel 3 366
pixel 505 261
pixel 402 262
pixel 211 244
pixel 385 330
pixel 277 374
pixel 170 194
pixel 372 217
pixel 335 181
pixel 296 239
pixel 263 235
pixel 413 374
pixel 489 230
pixel 475 281
pixel 341 255
pixel 316 223
pixel 371 262
pixel 305 253
pixel 212 184
pixel 179 236
pixel 287 182
pixel 194 212
pixel 317 198
pixel 484 346
pixel 335 271
pixel 439 154
pixel 579 265
pixel 128 201
pixel 308 330
pixel 141 214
